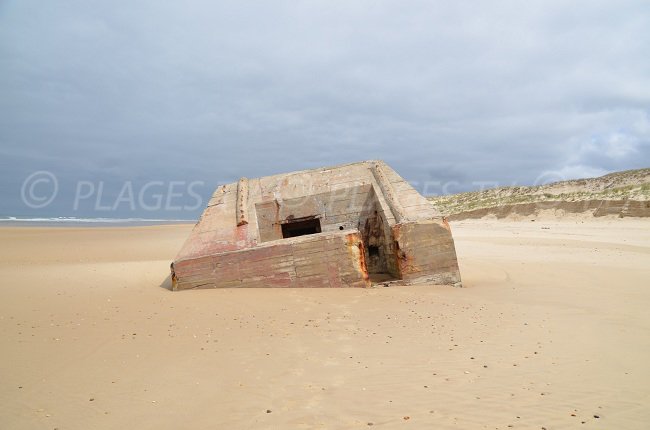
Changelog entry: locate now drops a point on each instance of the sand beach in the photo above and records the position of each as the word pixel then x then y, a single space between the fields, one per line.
pixel 550 331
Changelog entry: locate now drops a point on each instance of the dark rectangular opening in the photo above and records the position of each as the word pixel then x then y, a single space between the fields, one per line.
pixel 300 227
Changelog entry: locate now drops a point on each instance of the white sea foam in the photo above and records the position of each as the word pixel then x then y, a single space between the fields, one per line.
pixel 75 220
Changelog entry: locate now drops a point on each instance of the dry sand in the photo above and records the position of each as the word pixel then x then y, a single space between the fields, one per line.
pixel 552 330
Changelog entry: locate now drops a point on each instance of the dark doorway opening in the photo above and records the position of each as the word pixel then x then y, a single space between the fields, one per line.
pixel 300 227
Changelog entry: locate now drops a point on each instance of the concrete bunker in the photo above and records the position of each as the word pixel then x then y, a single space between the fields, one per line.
pixel 332 227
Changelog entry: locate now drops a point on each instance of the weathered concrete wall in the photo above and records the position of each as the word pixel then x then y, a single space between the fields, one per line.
pixel 426 252
pixel 325 260
pixel 378 238
pixel 414 205
pixel 336 210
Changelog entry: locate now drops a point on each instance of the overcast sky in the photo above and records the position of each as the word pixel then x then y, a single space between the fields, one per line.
pixel 456 93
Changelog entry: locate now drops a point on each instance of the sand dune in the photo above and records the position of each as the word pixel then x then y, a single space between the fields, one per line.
pixel 551 332
pixel 621 194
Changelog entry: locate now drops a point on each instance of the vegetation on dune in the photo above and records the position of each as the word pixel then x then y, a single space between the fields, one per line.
pixel 626 185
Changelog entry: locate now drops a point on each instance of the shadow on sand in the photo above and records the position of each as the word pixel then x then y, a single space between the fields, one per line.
pixel 167 283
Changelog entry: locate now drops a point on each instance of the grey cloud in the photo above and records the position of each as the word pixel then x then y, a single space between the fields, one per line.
pixel 465 93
